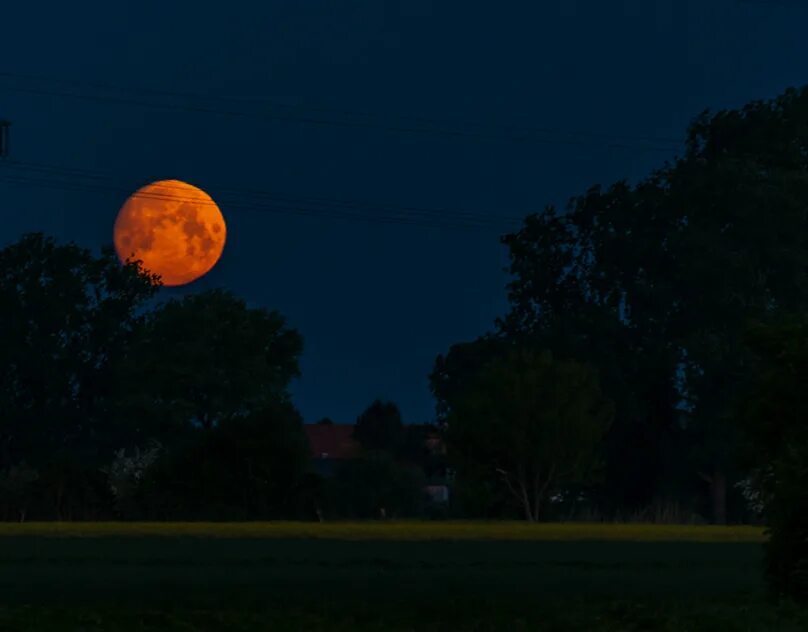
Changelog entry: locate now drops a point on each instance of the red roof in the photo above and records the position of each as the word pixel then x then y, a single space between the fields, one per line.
pixel 332 441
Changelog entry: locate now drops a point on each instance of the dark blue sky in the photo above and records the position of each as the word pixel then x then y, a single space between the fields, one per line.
pixel 375 302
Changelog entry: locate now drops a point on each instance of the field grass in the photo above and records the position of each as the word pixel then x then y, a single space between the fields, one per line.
pixel 393 530
pixel 384 576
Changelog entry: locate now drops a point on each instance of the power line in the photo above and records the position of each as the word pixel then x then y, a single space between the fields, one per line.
pixel 273 196
pixel 774 3
pixel 273 103
pixel 415 125
pixel 300 208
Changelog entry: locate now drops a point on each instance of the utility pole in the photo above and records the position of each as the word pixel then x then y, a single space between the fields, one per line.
pixel 4 125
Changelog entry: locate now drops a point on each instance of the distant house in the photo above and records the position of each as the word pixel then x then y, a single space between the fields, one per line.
pixel 439 493
pixel 438 484
pixel 331 443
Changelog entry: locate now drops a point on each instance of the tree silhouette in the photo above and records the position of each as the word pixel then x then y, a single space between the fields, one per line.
pixel 380 427
pixel 772 412
pixel 655 283
pixel 531 421
pixel 207 359
pixel 69 319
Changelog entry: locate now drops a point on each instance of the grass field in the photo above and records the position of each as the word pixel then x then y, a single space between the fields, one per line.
pixel 393 530
pixel 384 576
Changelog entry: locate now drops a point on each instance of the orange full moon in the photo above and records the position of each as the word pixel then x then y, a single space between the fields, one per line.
pixel 174 228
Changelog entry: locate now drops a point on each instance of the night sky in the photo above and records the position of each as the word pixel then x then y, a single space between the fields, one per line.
pixel 375 302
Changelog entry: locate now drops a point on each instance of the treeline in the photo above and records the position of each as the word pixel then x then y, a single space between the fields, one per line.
pixel 654 352
pixel 114 405
pixel 108 398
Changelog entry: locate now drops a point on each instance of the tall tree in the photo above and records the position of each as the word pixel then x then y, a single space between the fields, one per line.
pixel 532 422
pixel 742 255
pixel 655 283
pixel 207 359
pixel 68 320
pixel 774 417
pixel 583 286
pixel 380 427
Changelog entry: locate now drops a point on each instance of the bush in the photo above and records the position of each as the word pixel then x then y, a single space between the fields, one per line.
pixel 252 468
pixel 15 485
pixel 377 486
pixel 126 474
pixel 787 517
pixel 774 416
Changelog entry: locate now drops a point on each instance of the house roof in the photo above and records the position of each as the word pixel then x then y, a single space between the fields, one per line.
pixel 332 441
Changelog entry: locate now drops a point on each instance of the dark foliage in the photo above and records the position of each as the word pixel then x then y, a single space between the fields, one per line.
pixel 380 427
pixel 655 283
pixel 68 320
pixel 207 359
pixel 377 486
pixel 530 422
pixel 248 468
pixel 90 377
pixel 774 415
